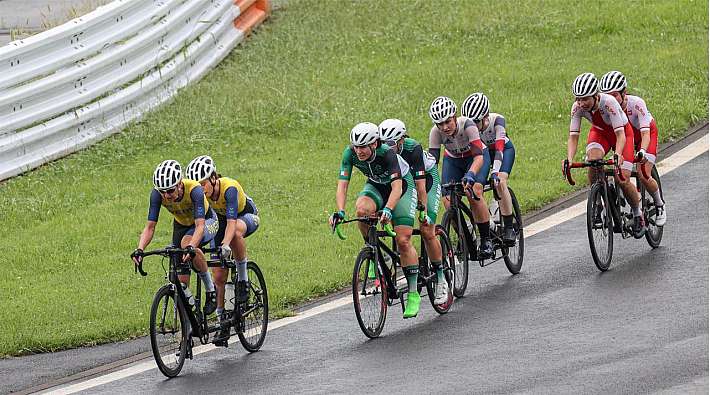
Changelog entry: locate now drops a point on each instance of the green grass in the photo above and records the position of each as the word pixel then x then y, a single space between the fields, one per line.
pixel 276 115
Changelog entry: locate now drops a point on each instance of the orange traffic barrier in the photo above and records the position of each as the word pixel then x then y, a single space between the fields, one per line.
pixel 251 14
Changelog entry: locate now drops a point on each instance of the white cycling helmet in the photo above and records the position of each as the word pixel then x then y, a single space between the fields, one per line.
pixel 585 85
pixel 441 109
pixel 167 175
pixel 392 130
pixel 613 81
pixel 364 133
pixel 200 168
pixel 475 107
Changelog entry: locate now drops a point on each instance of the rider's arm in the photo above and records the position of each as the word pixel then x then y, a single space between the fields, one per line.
pixel 574 126
pixel 346 169
pixel 620 142
pixel 231 197
pixel 475 145
pixel 341 194
pixel 153 214
pixel 644 116
pixel 198 212
pixel 395 179
pixel 499 127
pixel 435 143
pixel 146 235
pixel 395 194
pixel 419 174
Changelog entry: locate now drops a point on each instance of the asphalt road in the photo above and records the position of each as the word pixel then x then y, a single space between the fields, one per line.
pixel 560 326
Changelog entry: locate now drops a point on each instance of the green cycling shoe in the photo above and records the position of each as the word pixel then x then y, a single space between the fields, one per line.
pixel 413 301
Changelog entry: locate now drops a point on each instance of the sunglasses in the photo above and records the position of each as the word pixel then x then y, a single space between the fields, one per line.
pixel 168 191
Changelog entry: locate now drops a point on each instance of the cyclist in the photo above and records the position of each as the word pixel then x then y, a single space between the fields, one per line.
pixel 464 160
pixel 238 218
pixel 501 152
pixel 422 165
pixel 610 130
pixel 645 132
pixel 194 224
pixel 389 188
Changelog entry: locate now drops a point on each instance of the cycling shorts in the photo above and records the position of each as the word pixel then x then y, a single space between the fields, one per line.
pixel 508 157
pixel 211 228
pixel 607 141
pixel 404 211
pixel 249 215
pixel 433 193
pixel 453 169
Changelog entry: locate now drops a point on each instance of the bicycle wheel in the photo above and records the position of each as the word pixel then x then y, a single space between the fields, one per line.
pixel 254 317
pixel 513 256
pixel 601 232
pixel 169 333
pixel 654 233
pixel 369 295
pixel 457 240
pixel 447 261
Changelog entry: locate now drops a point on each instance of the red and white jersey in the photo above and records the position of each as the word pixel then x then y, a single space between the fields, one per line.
pixel 638 114
pixel 494 136
pixel 608 116
pixel 458 145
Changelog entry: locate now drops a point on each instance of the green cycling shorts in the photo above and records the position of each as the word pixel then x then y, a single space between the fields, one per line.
pixel 405 210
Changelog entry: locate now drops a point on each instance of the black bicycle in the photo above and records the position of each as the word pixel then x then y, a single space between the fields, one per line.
pixel 374 283
pixel 604 209
pixel 176 317
pixel 458 223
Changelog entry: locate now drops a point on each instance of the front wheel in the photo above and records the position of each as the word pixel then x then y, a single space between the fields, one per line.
pixel 600 227
pixel 447 262
pixel 654 233
pixel 369 294
pixel 513 256
pixel 169 333
pixel 460 248
pixel 254 317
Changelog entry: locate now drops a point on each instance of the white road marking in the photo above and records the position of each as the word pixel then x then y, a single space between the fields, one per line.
pixel 679 158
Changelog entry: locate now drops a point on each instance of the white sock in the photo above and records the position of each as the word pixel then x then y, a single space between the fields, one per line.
pixel 657 198
pixel 207 280
pixel 636 211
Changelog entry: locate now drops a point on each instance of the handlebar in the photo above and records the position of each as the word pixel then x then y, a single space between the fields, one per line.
pixel 596 163
pixel 166 252
pixel 370 220
pixel 638 159
pixel 459 188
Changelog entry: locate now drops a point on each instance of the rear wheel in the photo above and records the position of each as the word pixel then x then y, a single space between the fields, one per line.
pixel 513 256
pixel 600 227
pixel 369 294
pixel 447 261
pixel 654 233
pixel 254 317
pixel 169 333
pixel 459 248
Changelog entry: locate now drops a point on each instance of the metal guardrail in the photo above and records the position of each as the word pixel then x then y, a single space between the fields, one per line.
pixel 66 88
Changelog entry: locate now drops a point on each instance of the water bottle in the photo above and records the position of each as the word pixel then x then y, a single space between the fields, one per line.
pixel 189 296
pixel 229 296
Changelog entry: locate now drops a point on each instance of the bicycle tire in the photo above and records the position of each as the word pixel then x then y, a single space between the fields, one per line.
pixel 369 295
pixel 254 325
pixel 654 233
pixel 169 358
pixel 460 247
pixel 516 263
pixel 602 258
pixel 446 261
